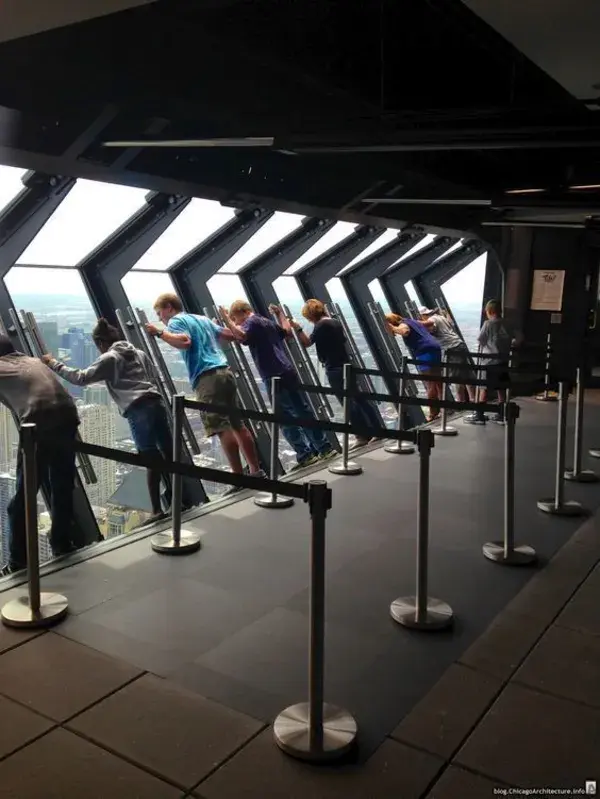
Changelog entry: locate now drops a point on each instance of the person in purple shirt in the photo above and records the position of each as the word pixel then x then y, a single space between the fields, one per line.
pixel 265 339
pixel 425 349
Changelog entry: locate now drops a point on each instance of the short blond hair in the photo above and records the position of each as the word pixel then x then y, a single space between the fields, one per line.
pixel 313 310
pixel 393 319
pixel 240 306
pixel 169 298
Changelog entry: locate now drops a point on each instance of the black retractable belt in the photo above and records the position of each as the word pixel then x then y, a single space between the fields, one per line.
pixel 36 609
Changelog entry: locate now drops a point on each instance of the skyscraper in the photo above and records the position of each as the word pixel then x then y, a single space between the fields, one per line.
pixel 98 427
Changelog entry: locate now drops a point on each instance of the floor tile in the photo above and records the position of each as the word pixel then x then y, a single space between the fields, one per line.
pixel 18 726
pixel 581 613
pixel 447 714
pixel 63 766
pixel 457 783
pixel 504 645
pixel 59 678
pixel 9 637
pixel 273 652
pixel 534 740
pixel 565 663
pixel 165 729
pixel 260 770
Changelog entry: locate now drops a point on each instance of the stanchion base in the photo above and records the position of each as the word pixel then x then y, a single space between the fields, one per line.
pixel 438 615
pixel 521 555
pixel 291 733
pixel 445 431
pixel 349 468
pixel 53 608
pixel 273 501
pixel 595 453
pixel 570 508
pixel 400 448
pixel 584 476
pixel 164 543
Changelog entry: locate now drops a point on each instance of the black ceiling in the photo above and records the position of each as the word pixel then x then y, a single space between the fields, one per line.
pixel 369 72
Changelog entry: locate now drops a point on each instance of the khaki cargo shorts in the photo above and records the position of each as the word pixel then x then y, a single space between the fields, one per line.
pixel 219 388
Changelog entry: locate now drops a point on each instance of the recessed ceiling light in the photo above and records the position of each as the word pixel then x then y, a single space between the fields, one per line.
pixel 581 188
pixel 524 191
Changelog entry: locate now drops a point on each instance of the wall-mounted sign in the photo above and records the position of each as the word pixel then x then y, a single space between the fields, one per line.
pixel 547 292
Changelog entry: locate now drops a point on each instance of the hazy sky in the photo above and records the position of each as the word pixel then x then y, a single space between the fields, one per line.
pixel 93 210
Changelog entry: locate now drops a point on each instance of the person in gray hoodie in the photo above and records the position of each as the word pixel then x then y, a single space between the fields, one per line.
pixel 131 381
pixel 36 396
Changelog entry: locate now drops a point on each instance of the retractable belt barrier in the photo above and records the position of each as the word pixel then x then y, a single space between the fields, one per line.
pixel 577 474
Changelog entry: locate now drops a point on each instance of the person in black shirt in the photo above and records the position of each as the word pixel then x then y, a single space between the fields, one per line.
pixel 332 351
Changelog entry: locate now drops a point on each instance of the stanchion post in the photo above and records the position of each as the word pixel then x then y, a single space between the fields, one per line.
pixel 546 396
pixel 36 609
pixel 178 541
pixel 577 474
pixel 400 447
pixel 556 506
pixel 505 552
pixel 444 429
pixel 422 612
pixel 346 467
pixel 273 500
pixel 314 731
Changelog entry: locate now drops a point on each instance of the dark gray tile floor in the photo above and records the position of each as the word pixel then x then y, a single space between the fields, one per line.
pixel 231 622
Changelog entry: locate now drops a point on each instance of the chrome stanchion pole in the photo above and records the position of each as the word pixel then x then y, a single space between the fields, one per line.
pixel 178 541
pixel 36 609
pixel 444 429
pixel 315 731
pixel 400 447
pixel 273 500
pixel 557 505
pixel 505 552
pixel 577 474
pixel 422 612
pixel 346 467
pixel 546 396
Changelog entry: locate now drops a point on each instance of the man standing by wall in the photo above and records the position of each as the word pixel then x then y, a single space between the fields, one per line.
pixel 265 340
pixel 30 390
pixel 197 337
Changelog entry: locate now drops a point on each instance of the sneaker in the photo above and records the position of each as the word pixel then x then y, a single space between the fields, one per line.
pixel 328 455
pixel 231 491
pixel 7 570
pixel 475 418
pixel 312 459
pixel 498 419
pixel 360 442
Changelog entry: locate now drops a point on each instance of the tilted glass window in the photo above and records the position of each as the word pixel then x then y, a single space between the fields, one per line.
pixel 11 184
pixel 380 242
pixel 276 228
pixel 88 215
pixel 337 234
pixel 464 294
pixel 198 220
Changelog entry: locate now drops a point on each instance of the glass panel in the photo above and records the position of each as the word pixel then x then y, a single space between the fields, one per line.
pixel 199 220
pixel 290 295
pixel 456 246
pixel 142 289
pixel 380 242
pixel 338 233
pixel 10 184
pixel 338 294
pixel 278 226
pixel 66 318
pixel 90 212
pixel 464 295
pixel 412 293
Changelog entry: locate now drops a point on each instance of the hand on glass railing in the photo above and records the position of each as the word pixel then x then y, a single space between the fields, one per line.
pixel 47 359
pixel 152 329
pixel 275 309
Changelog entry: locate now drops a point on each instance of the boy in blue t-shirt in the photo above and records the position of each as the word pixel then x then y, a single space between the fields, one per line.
pixel 197 338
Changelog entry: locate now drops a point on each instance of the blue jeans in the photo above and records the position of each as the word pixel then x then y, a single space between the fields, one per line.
pixel 151 434
pixel 362 412
pixel 305 441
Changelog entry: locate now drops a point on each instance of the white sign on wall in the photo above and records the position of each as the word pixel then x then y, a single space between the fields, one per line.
pixel 547 292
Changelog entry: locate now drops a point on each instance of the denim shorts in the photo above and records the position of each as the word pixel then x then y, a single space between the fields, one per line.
pixel 149 425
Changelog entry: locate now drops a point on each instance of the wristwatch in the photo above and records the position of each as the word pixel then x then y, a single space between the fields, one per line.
pixel 160 333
